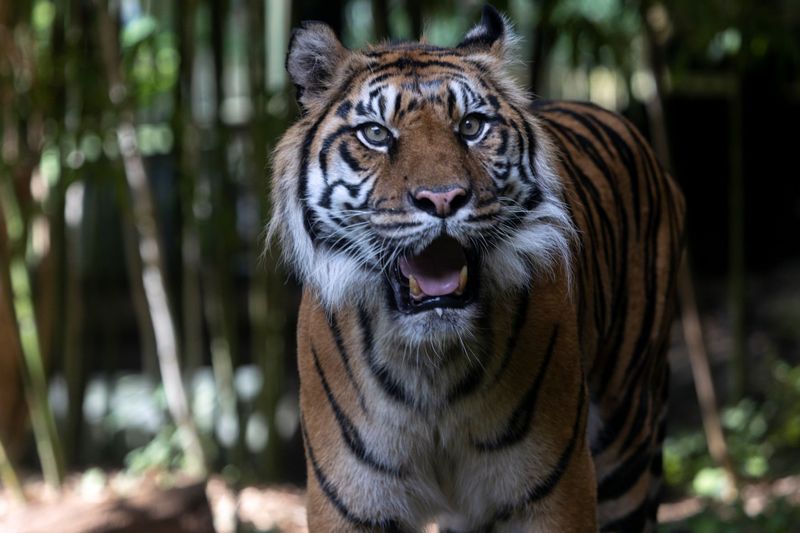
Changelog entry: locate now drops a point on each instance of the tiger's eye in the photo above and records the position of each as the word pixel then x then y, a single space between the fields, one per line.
pixel 376 134
pixel 470 126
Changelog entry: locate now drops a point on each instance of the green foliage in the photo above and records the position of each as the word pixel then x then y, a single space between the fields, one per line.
pixel 164 453
pixel 684 456
pixel 763 437
pixel 151 57
pixel 711 483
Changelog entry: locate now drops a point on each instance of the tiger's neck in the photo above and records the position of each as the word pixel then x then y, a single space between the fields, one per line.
pixel 361 345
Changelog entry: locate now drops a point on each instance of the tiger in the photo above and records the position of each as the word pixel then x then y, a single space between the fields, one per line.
pixel 488 284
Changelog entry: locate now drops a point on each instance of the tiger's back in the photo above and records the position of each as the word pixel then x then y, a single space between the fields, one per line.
pixel 629 212
pixel 482 336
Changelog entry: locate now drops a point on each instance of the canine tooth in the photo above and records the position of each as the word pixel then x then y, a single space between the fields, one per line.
pixel 462 280
pixel 439 311
pixel 413 285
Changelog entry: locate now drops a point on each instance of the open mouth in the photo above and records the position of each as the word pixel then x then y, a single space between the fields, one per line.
pixel 443 275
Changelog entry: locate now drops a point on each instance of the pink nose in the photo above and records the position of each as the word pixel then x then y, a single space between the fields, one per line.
pixel 441 203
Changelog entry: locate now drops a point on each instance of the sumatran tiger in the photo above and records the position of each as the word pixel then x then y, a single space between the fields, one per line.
pixel 488 291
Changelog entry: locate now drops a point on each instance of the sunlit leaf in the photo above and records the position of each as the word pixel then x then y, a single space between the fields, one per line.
pixel 710 482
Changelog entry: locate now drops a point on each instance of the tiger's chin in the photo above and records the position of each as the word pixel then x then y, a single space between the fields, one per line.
pixel 432 295
pixel 435 330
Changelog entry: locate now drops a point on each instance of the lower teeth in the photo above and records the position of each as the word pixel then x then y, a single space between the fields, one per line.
pixel 439 311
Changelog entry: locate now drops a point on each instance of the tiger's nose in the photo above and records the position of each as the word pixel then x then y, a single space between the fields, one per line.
pixel 441 202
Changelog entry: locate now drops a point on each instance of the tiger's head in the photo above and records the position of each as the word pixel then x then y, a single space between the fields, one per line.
pixel 416 181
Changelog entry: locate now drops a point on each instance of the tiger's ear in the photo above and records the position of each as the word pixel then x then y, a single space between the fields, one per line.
pixel 492 34
pixel 313 57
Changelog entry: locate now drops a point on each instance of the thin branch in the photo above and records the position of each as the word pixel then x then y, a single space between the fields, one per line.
pixel 44 428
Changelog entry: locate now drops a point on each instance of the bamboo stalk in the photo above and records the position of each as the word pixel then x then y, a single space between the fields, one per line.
pixel 268 294
pixel 219 230
pixel 150 251
pixel 9 476
pixel 133 264
pixel 48 444
pixel 186 153
pixel 380 19
pixel 74 371
pixel 156 294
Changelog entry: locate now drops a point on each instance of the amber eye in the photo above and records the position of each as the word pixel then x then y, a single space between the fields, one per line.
pixel 471 127
pixel 375 134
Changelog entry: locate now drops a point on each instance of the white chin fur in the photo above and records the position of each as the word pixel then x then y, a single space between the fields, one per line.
pixel 436 329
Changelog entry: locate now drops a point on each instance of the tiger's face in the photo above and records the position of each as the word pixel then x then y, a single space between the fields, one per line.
pixel 416 181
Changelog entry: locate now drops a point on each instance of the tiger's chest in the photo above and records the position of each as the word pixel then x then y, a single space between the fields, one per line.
pixel 457 442
pixel 450 477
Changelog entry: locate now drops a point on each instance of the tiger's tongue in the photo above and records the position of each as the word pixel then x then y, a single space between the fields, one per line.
pixel 437 268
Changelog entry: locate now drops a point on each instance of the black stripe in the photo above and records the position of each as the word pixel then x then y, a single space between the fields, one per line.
pixel 633 522
pixel 350 434
pixel 520 315
pixel 451 102
pixel 352 189
pixel 387 382
pixel 382 106
pixel 361 109
pixel 336 332
pixel 396 225
pixel 343 109
pixel 398 99
pixel 470 382
pixel 542 489
pixel 642 423
pixel 519 423
pixel 347 157
pixel 624 477
pixel 616 422
pixel 385 525
pixel 408 63
pixel 501 150
pixel 326 146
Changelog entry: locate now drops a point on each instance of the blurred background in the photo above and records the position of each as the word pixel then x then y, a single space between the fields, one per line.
pixel 147 331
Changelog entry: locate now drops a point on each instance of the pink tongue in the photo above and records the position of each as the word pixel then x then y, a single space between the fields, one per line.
pixel 438 268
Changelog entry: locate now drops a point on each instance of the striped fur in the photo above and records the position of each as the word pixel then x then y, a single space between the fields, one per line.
pixel 540 405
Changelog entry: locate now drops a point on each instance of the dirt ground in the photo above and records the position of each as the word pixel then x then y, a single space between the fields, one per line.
pixel 98 502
